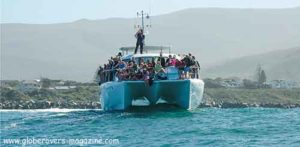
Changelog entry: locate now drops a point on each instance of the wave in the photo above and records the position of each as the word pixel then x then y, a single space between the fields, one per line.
pixel 47 110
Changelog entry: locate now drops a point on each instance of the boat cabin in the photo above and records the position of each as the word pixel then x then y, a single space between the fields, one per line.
pixel 147 57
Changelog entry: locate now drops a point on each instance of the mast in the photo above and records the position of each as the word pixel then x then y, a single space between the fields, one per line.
pixel 145 25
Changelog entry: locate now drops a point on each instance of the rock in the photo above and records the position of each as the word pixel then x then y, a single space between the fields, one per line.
pixel 32 101
pixel 245 104
pixel 213 103
pixel 49 103
pixel 206 105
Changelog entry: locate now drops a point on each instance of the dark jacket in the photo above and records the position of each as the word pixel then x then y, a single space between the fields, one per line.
pixel 140 38
pixel 162 61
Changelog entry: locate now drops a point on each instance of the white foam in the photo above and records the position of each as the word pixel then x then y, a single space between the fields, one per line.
pixel 140 102
pixel 46 110
pixel 196 93
pixel 11 125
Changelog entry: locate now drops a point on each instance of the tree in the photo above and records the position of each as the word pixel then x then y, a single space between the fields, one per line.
pixel 258 73
pixel 249 84
pixel 46 83
pixel 263 77
pixel 260 76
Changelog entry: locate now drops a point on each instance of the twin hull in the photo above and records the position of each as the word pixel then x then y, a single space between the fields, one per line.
pixel 119 95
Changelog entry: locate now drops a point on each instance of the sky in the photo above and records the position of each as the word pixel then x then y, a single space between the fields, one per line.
pixel 58 11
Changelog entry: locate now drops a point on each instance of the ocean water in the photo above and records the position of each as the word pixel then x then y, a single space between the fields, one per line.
pixel 158 126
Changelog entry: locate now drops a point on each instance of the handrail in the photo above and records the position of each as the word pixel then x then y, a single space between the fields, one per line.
pixel 110 74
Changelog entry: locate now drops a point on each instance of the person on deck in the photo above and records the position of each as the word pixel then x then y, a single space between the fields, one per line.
pixel 159 71
pixel 187 62
pixel 158 67
pixel 119 55
pixel 162 60
pixel 140 41
pixel 196 67
pixel 173 61
pixel 121 65
pixel 168 62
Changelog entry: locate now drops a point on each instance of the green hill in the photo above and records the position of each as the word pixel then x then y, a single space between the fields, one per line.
pixel 73 50
pixel 282 64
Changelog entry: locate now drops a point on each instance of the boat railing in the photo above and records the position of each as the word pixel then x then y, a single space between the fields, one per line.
pixel 107 75
pixel 194 72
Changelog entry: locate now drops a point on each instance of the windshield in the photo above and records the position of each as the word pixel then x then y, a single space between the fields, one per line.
pixel 145 59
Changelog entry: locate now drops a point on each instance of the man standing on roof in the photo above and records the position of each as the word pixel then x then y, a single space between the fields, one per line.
pixel 140 41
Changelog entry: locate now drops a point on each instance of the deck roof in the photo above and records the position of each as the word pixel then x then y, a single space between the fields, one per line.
pixel 148 48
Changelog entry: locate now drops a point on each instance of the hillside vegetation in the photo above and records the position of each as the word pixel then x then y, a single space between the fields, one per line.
pixel 282 64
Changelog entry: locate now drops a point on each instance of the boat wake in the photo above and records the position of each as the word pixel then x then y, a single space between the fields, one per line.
pixel 47 110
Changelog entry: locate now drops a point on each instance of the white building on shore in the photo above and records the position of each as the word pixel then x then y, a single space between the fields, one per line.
pixel 231 83
pixel 285 84
pixel 29 85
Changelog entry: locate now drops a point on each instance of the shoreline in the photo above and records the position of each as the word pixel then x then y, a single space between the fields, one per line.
pixel 246 105
pixel 97 106
pixel 243 98
pixel 51 105
pixel 88 98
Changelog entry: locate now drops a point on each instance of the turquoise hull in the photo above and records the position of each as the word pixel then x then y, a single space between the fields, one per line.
pixel 186 94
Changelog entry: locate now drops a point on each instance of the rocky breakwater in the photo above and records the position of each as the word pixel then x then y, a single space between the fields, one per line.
pixel 245 105
pixel 40 104
pixel 78 98
pixel 243 98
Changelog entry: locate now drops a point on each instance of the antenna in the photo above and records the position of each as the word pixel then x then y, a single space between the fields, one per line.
pixel 144 18
pixel 150 10
pixel 144 25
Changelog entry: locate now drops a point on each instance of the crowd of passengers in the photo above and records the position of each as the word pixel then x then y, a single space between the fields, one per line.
pixel 118 70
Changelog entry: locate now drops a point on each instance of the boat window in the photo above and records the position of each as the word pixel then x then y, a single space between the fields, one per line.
pixel 126 60
pixel 146 59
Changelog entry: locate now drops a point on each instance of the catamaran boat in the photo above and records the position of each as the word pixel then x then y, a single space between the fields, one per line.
pixel 121 95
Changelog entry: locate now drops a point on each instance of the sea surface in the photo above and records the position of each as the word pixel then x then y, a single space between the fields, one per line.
pixel 154 126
